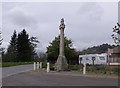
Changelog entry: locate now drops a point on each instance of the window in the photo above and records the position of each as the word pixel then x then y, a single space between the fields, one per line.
pixel 80 58
pixel 93 58
pixel 102 58
pixel 87 58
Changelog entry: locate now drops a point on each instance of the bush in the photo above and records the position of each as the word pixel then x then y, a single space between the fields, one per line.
pixel 116 70
pixel 44 64
pixel 97 69
pixel 52 67
pixel 75 67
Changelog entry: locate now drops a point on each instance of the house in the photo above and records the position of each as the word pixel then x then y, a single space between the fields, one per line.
pixel 93 59
pixel 114 56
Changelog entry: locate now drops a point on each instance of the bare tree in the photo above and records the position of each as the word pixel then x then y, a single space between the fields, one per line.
pixel 116 35
pixel 0 39
pixel 1 49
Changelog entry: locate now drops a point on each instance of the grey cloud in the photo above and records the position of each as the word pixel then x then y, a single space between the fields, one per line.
pixel 0 15
pixel 91 10
pixel 119 11
pixel 92 25
pixel 20 17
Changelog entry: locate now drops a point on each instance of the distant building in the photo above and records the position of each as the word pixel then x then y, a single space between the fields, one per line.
pixel 93 59
pixel 114 56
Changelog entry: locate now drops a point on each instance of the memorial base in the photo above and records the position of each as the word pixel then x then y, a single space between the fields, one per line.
pixel 61 64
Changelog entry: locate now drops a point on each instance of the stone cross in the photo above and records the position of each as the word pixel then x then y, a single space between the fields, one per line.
pixel 61 63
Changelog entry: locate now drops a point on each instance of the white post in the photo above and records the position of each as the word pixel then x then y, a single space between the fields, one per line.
pixel 37 65
pixel 84 69
pixel 40 65
pixel 34 65
pixel 48 67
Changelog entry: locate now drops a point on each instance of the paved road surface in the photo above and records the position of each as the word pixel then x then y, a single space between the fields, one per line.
pixel 8 71
pixel 42 78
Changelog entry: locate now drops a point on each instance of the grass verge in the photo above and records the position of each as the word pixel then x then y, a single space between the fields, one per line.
pixel 9 64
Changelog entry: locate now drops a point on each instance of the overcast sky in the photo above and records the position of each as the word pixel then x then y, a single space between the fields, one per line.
pixel 87 23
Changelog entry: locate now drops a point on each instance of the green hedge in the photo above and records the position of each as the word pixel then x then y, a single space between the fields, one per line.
pixel 44 65
pixel 75 67
pixel 101 69
pixel 8 64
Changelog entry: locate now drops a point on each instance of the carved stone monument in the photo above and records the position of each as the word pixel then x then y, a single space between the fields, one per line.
pixel 61 63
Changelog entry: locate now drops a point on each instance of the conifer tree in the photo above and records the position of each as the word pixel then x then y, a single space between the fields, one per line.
pixel 24 49
pixel 53 51
pixel 12 48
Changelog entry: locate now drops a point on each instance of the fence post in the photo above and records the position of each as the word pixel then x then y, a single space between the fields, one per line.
pixel 84 69
pixel 40 65
pixel 37 65
pixel 48 67
pixel 34 66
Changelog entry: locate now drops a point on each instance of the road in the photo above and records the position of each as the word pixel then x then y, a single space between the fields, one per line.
pixel 42 78
pixel 8 71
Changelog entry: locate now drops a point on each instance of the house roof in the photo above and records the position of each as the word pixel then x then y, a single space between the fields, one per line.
pixel 92 55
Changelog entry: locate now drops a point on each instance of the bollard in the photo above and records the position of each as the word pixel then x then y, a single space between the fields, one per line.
pixel 84 69
pixel 40 65
pixel 34 65
pixel 48 67
pixel 37 65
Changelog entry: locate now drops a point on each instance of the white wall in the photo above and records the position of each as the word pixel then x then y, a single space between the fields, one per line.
pixel 98 58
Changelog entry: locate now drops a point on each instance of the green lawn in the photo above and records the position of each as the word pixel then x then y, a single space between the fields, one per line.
pixel 9 64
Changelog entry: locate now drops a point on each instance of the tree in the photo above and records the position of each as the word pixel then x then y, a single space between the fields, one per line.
pixel 12 48
pixel 33 45
pixel 96 49
pixel 0 39
pixel 53 50
pixel 24 49
pixel 0 43
pixel 2 49
pixel 116 37
pixel 26 46
pixel 40 56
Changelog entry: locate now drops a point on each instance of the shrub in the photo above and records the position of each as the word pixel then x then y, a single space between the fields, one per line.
pixel 74 67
